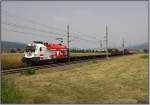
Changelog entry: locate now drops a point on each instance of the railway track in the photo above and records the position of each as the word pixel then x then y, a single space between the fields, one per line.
pixel 73 61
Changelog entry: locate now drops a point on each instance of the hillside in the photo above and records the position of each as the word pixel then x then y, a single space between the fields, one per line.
pixel 140 46
pixel 8 45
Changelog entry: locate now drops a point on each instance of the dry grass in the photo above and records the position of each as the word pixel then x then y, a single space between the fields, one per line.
pixel 85 54
pixel 120 80
pixel 13 60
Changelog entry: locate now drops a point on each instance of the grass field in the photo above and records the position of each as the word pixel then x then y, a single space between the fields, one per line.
pixel 13 60
pixel 118 80
pixel 85 54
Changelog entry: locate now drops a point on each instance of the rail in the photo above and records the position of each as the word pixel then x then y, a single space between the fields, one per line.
pixel 73 60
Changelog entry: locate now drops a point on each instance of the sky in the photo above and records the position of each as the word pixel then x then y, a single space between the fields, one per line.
pixel 26 21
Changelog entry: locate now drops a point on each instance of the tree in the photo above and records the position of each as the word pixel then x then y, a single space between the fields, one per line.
pixel 146 50
pixel 12 50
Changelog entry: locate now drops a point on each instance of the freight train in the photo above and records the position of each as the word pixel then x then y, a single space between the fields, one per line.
pixel 115 51
pixel 39 52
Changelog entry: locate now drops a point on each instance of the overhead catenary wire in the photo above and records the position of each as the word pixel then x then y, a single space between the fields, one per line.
pixel 123 46
pixel 41 24
pixel 33 21
pixel 30 28
pixel 92 41
pixel 72 33
pixel 29 33
pixel 101 45
pixel 68 43
pixel 106 39
pixel 40 30
pixel 49 32
pixel 33 34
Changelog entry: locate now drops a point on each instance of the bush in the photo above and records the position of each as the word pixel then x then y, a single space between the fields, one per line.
pixel 28 72
pixel 94 61
pixel 144 56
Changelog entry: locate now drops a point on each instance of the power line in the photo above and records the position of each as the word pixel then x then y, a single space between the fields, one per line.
pixel 123 45
pixel 27 33
pixel 30 28
pixel 87 41
pixel 68 41
pixel 84 39
pixel 38 23
pixel 84 34
pixel 106 39
pixel 34 22
pixel 35 29
pixel 101 46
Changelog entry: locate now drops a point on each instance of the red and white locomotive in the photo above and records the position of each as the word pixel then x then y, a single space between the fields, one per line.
pixel 42 52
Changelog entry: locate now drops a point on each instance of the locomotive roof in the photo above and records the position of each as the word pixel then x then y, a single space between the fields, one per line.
pixel 36 44
pixel 49 46
pixel 55 46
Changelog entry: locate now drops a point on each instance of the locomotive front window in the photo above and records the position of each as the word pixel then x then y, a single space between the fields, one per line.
pixel 40 48
pixel 30 49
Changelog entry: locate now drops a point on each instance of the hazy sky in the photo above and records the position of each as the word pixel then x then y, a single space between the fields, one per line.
pixel 26 21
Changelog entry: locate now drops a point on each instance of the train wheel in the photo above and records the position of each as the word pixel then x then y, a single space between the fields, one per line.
pixel 54 60
pixel 29 64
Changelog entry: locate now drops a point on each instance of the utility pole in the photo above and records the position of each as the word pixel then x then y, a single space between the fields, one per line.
pixel 123 46
pixel 68 43
pixel 106 39
pixel 100 45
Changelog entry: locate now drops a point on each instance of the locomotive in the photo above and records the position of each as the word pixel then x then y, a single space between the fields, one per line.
pixel 44 52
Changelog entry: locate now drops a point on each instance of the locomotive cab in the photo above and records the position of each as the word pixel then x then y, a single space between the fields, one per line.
pixel 30 51
pixel 35 53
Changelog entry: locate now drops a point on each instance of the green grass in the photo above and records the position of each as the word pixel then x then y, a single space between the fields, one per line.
pixel 85 54
pixel 144 56
pixel 9 94
pixel 118 80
